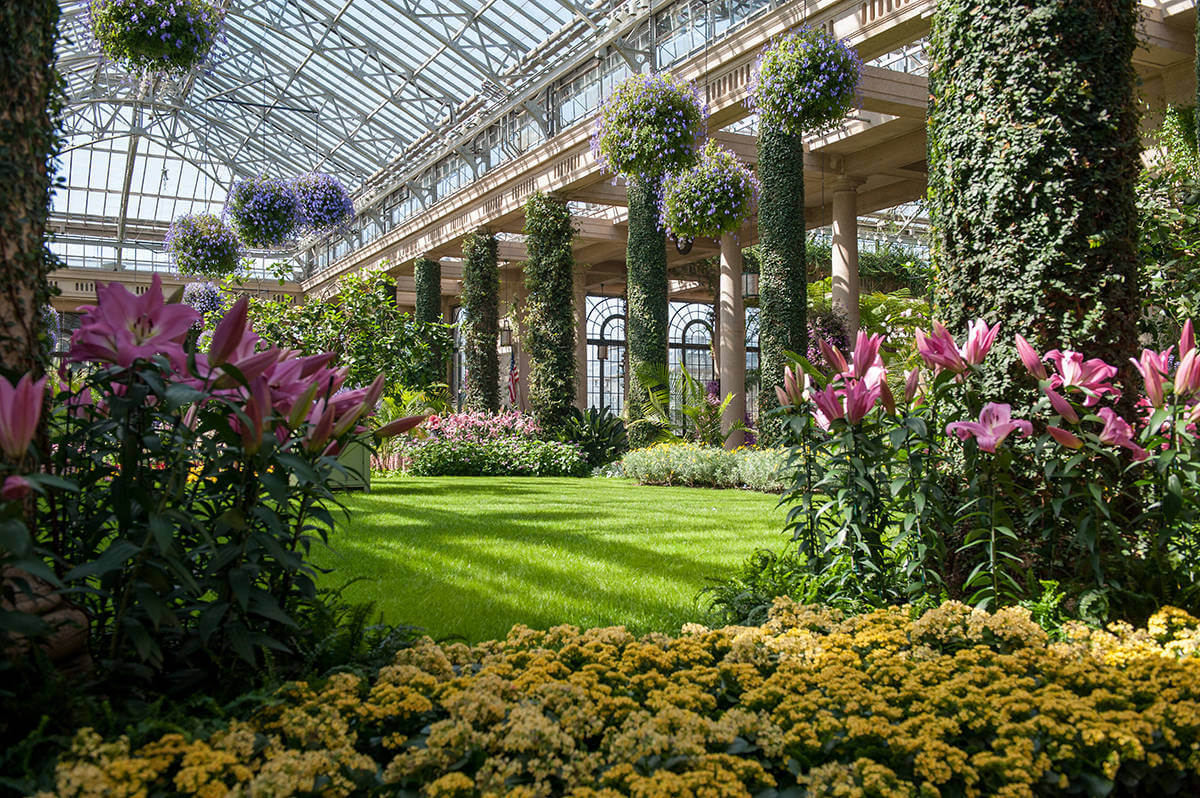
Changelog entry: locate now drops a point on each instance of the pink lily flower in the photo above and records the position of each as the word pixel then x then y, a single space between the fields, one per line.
pixel 1187 338
pixel 20 410
pixel 1187 377
pixel 886 398
pixel 833 356
pixel 1153 367
pixel 979 341
pixel 995 424
pixel 1065 438
pixel 1117 432
pixel 1092 376
pixel 1062 406
pixel 792 391
pixel 866 354
pixel 15 488
pixel 1030 358
pixel 940 350
pixel 861 397
pixel 399 426
pixel 912 384
pixel 122 327
pixel 829 406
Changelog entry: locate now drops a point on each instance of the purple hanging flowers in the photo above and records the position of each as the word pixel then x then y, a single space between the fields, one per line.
pixel 264 211
pixel 324 203
pixel 156 35
pixel 710 199
pixel 652 124
pixel 203 245
pixel 805 81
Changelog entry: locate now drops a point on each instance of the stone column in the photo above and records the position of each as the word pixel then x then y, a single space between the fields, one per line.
pixel 581 364
pixel 731 314
pixel 845 253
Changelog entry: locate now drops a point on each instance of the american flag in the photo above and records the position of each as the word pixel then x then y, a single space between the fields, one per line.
pixel 514 377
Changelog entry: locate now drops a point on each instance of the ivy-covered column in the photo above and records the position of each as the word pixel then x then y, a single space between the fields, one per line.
pixel 1031 176
pixel 804 82
pixel 782 275
pixel 550 320
pixel 29 102
pixel 646 290
pixel 481 322
pixel 427 283
pixel 650 125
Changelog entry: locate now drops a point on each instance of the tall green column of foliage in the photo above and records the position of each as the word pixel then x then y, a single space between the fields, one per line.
pixel 649 126
pixel 29 99
pixel 782 276
pixel 481 323
pixel 646 290
pixel 427 280
pixel 802 83
pixel 550 323
pixel 1033 156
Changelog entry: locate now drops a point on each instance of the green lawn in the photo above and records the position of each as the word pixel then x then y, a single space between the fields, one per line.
pixel 471 556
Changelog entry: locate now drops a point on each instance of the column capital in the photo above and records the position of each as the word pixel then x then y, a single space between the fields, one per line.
pixel 848 183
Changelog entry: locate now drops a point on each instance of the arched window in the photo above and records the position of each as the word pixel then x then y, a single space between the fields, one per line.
pixel 606 353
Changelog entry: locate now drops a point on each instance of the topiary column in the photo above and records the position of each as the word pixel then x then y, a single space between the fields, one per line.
pixel 802 83
pixel 29 99
pixel 646 291
pixel 427 282
pixel 549 276
pixel 481 331
pixel 650 125
pixel 782 275
pixel 1033 156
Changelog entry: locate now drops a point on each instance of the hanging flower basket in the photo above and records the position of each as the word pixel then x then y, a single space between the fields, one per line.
pixel 805 81
pixel 156 35
pixel 264 211
pixel 203 245
pixel 206 298
pixel 650 125
pixel 324 203
pixel 710 199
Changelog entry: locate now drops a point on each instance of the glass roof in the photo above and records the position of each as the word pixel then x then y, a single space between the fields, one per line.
pixel 343 86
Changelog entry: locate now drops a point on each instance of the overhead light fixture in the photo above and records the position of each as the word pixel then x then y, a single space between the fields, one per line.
pixel 749 285
pixel 602 351
pixel 505 337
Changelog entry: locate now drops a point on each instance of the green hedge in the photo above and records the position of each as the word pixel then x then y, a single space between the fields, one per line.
pixel 646 263
pixel 29 93
pixel 427 282
pixel 782 282
pixel 1033 157
pixel 550 323
pixel 481 324
pixel 500 457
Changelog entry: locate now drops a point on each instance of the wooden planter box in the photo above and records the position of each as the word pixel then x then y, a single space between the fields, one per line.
pixel 356 458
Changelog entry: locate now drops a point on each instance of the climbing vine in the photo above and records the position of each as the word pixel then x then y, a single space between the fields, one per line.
pixel 29 102
pixel 1032 173
pixel 550 323
pixel 481 322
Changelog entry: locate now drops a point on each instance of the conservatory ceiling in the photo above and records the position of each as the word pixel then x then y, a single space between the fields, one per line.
pixel 347 87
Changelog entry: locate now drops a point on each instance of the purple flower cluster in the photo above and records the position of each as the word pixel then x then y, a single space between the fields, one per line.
pixel 805 81
pixel 651 124
pixel 203 244
pixel 159 35
pixel 264 211
pixel 709 199
pixel 206 299
pixel 325 204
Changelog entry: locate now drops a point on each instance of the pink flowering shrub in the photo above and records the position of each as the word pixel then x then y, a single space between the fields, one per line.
pixel 944 492
pixel 479 426
pixel 181 490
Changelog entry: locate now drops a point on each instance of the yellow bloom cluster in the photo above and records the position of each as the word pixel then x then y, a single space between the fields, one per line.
pixel 955 702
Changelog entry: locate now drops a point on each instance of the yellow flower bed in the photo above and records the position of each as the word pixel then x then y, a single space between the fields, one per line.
pixel 956 702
